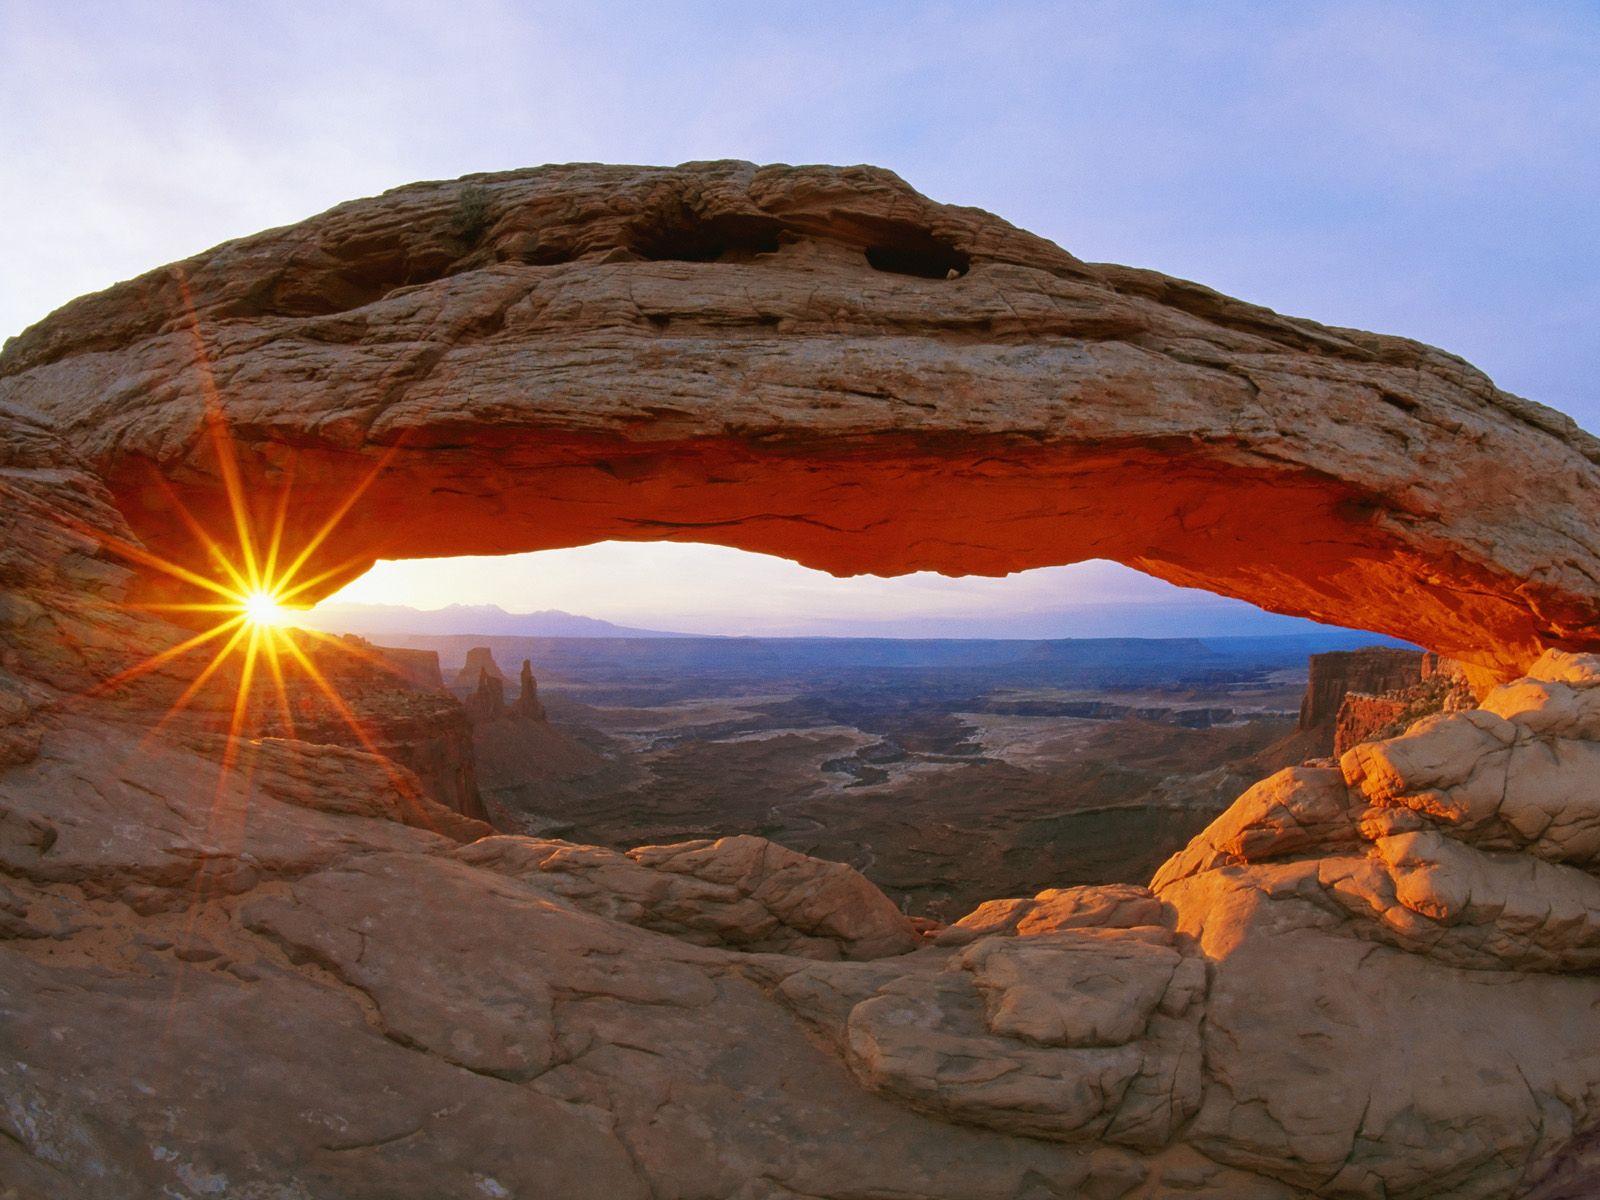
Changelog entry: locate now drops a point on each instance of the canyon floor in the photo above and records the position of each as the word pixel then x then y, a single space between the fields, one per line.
pixel 947 772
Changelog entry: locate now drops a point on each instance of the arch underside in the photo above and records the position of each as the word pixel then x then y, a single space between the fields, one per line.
pixel 1288 541
pixel 822 364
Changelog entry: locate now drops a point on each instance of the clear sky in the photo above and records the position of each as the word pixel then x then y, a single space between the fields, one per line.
pixel 1428 169
pixel 688 588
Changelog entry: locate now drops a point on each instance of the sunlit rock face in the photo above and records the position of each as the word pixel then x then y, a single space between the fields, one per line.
pixel 820 363
pixel 1471 845
pixel 1380 979
pixel 1373 670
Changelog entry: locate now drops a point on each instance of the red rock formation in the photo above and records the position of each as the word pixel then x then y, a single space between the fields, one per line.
pixel 743 892
pixel 1376 980
pixel 422 728
pixel 429 735
pixel 488 700
pixel 819 363
pixel 1355 696
pixel 419 668
pixel 1364 718
pixel 528 705
pixel 480 662
pixel 1372 670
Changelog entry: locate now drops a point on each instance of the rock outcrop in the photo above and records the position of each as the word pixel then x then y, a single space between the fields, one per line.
pixel 741 892
pixel 528 706
pixel 391 705
pixel 419 668
pixel 488 700
pixel 486 703
pixel 819 363
pixel 480 662
pixel 1367 716
pixel 1364 718
pixel 1466 843
pixel 1372 670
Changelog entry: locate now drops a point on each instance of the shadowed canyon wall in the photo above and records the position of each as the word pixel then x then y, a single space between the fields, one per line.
pixel 818 363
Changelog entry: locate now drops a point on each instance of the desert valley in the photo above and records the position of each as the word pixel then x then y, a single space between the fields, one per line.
pixel 948 772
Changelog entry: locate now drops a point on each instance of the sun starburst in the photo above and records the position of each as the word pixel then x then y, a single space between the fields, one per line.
pixel 241 590
pixel 263 608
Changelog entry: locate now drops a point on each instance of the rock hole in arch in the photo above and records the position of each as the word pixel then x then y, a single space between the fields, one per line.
pixel 929 259
pixel 675 231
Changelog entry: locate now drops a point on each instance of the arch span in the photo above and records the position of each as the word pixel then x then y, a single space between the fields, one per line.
pixel 820 363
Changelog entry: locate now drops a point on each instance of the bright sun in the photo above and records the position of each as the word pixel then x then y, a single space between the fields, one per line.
pixel 262 608
pixel 249 592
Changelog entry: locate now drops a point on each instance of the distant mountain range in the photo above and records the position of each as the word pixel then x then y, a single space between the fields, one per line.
pixel 1077 662
pixel 371 620
pixel 558 641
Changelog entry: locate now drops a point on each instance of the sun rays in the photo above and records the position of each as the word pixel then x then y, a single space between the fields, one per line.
pixel 246 611
pixel 250 569
pixel 238 655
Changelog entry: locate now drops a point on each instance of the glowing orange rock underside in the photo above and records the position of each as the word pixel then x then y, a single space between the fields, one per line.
pixel 242 567
pixel 747 367
pixel 1288 541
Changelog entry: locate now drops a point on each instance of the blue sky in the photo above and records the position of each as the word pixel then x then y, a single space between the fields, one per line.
pixel 1425 169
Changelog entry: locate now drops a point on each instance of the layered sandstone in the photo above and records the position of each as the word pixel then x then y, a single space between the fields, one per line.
pixel 1372 670
pixel 1375 980
pixel 1368 695
pixel 418 668
pixel 487 702
pixel 392 705
pixel 818 362
pixel 527 705
pixel 743 892
pixel 1365 718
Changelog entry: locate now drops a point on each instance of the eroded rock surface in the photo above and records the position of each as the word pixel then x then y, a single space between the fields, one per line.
pixel 1465 844
pixel 1371 669
pixel 1075 1035
pixel 820 363
pixel 742 892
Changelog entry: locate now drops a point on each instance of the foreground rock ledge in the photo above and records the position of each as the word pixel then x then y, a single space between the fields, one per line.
pixel 821 363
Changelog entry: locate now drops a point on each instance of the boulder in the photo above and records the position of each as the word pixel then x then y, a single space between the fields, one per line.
pixel 741 892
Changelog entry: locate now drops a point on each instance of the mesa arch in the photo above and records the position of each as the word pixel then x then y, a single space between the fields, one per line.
pixel 820 363
pixel 1376 979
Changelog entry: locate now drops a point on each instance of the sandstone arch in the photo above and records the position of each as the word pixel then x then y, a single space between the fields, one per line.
pixel 823 364
pixel 1381 979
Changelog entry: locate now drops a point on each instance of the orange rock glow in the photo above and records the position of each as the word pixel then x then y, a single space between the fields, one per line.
pixel 822 364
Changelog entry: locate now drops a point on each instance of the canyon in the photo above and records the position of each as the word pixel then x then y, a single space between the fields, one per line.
pixel 946 772
pixel 237 961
